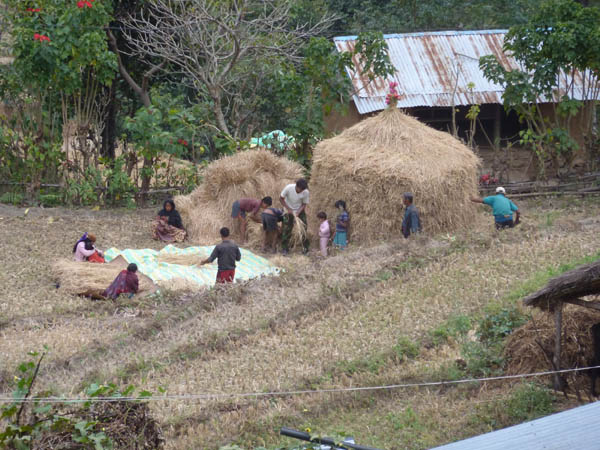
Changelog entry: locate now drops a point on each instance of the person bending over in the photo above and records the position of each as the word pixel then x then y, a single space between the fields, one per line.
pixel 250 207
pixel 502 209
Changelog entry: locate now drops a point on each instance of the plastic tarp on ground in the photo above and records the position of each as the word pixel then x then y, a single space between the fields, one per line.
pixel 148 262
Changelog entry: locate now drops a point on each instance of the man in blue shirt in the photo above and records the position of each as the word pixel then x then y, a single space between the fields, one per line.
pixel 502 209
pixel 411 222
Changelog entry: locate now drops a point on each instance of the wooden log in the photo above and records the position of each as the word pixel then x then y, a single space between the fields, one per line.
pixel 579 302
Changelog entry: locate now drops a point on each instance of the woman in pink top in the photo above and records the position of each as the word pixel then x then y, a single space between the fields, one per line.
pixel 324 232
pixel 85 249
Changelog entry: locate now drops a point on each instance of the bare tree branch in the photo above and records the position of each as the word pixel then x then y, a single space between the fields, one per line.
pixel 207 40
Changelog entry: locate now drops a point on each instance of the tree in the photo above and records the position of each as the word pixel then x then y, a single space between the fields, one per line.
pixel 558 52
pixel 218 45
pixel 61 48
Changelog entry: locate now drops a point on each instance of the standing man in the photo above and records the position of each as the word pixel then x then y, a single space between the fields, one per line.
pixel 411 223
pixel 502 209
pixel 249 206
pixel 226 254
pixel 294 199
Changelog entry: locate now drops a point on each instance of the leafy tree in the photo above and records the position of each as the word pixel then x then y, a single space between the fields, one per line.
pixel 557 47
pixel 61 47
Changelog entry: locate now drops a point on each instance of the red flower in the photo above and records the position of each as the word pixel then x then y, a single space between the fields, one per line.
pixel 40 37
pixel 82 3
pixel 36 36
pixel 34 9
pixel 182 142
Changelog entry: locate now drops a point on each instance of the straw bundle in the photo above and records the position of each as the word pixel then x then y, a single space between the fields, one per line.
pixel 252 173
pixel 373 163
pixel 523 352
pixel 79 278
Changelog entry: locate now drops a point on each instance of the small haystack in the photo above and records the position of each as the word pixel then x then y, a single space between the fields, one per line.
pixel 91 279
pixel 531 347
pixel 252 173
pixel 373 163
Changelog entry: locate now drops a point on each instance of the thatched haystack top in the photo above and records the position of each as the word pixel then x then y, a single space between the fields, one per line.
pixel 371 164
pixel 395 142
pixel 251 173
pixel 572 285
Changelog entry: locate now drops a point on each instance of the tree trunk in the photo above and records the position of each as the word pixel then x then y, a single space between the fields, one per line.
pixel 218 111
pixel 109 133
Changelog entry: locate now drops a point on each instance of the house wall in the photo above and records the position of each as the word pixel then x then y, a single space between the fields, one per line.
pixel 338 121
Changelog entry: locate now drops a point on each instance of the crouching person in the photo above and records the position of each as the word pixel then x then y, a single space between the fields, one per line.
pixel 226 254
pixel 270 222
pixel 127 282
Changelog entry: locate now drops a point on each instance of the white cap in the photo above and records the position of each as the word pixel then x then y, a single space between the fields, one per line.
pixel 500 190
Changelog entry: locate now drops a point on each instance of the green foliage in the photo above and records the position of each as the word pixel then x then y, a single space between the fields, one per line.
pixel 528 401
pixel 24 422
pixel 559 40
pixel 13 198
pixel 406 348
pixel 499 323
pixel 454 327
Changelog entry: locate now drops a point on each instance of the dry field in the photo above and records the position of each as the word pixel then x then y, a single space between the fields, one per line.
pixel 321 325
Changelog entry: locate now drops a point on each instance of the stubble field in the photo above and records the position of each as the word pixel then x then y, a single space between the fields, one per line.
pixel 322 324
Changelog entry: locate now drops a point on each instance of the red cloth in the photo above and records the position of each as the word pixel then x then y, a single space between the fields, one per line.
pixel 225 276
pixel 125 283
pixel 95 257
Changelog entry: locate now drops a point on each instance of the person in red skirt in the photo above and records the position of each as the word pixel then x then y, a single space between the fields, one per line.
pixel 226 254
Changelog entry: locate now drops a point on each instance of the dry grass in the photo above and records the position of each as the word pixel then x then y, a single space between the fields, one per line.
pixel 277 333
pixel 253 174
pixel 373 163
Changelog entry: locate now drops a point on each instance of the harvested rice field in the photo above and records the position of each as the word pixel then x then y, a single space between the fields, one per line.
pixel 370 316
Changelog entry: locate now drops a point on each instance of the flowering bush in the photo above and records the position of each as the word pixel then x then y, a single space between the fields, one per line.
pixel 392 96
pixel 486 180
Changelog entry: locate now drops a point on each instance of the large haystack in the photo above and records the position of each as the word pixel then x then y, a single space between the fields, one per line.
pixel 252 173
pixel 373 163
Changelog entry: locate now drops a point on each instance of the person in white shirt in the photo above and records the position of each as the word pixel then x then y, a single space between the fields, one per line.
pixel 294 199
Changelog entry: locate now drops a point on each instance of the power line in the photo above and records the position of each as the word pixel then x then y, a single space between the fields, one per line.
pixel 213 396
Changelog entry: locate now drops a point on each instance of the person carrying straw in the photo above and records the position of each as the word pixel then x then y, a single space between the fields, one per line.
pixel 502 209
pixel 294 199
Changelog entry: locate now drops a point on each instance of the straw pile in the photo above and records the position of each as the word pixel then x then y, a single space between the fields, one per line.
pixel 252 173
pixel 523 351
pixel 92 279
pixel 373 163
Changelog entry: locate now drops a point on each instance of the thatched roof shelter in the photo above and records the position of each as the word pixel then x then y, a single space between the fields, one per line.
pixel 568 288
pixel 371 165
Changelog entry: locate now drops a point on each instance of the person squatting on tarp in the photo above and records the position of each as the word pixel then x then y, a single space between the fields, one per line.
pixel 411 223
pixel 502 209
pixel 85 249
pixel 127 282
pixel 226 253
pixel 168 226
pixel 342 223
pixel 294 199
pixel 250 206
pixel 270 222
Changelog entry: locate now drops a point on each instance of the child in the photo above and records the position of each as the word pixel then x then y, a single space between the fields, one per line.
pixel 270 218
pixel 85 249
pixel 340 239
pixel 411 223
pixel 226 254
pixel 127 282
pixel 324 233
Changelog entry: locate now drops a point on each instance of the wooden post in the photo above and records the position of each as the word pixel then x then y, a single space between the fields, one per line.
pixel 558 384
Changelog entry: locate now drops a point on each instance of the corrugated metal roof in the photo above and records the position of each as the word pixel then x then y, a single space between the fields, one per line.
pixel 427 65
pixel 576 428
